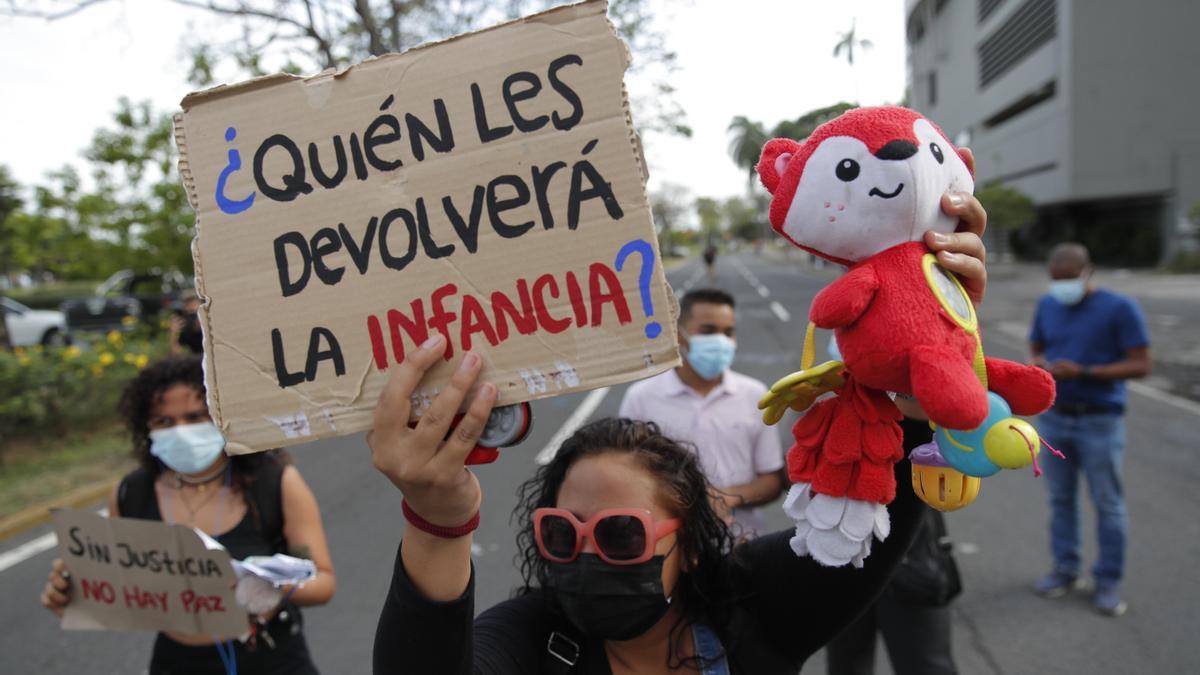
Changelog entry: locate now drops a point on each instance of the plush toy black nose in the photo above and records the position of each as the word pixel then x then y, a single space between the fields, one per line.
pixel 897 150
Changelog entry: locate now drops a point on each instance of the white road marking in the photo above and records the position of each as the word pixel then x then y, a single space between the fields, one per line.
pixel 27 550
pixel 1161 396
pixel 32 547
pixel 780 312
pixel 757 285
pixel 576 420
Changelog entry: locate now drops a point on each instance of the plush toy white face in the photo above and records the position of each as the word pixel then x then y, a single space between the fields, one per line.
pixel 850 204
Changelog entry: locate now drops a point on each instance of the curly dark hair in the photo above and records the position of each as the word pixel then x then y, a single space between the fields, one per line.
pixel 145 391
pixel 705 589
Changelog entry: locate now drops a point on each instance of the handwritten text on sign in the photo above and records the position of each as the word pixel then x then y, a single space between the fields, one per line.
pixel 132 574
pixel 487 188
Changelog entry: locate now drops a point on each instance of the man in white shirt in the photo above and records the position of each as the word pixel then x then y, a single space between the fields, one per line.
pixel 704 403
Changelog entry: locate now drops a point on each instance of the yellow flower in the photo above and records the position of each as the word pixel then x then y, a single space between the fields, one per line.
pixel 19 351
pixel 141 361
pixel 129 358
pixel 71 352
pixel 23 360
pixel 106 359
pixel 128 321
pixel 114 338
pixel 97 370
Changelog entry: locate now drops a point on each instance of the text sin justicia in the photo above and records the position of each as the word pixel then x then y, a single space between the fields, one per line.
pixel 155 560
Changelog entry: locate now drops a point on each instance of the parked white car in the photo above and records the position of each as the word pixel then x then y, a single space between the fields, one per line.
pixel 27 327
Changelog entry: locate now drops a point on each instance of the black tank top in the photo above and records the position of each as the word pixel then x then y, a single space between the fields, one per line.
pixel 260 532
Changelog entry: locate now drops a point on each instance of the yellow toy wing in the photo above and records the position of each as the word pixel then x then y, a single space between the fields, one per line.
pixel 799 390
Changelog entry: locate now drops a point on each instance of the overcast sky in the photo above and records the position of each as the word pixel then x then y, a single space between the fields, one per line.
pixel 766 59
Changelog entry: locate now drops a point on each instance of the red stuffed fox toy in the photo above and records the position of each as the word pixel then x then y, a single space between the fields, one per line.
pixel 861 191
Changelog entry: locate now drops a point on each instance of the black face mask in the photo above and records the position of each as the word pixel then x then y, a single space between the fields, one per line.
pixel 610 602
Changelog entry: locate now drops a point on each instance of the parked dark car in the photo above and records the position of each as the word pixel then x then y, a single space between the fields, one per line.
pixel 124 298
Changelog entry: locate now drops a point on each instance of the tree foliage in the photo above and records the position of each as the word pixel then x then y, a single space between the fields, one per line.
pixel 131 212
pixel 307 36
pixel 669 205
pixel 743 217
pixel 711 217
pixel 10 203
pixel 848 42
pixel 747 136
pixel 1007 208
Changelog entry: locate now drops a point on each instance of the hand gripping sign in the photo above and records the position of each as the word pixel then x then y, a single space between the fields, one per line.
pixel 489 187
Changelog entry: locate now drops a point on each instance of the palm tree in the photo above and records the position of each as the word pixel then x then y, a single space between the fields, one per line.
pixel 847 42
pixel 748 138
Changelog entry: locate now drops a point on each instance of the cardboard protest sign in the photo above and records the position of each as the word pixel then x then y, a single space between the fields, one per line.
pixel 129 574
pixel 489 187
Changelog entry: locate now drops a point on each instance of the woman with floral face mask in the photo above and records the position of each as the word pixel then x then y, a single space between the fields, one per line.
pixel 627 567
pixel 252 504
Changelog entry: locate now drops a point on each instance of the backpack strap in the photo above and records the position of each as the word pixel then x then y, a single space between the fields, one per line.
pixel 135 495
pixel 564 650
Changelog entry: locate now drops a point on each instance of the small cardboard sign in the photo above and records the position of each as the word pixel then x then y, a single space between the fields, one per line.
pixel 129 574
pixel 489 187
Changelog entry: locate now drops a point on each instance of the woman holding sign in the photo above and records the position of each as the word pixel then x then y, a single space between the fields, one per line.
pixel 627 568
pixel 252 504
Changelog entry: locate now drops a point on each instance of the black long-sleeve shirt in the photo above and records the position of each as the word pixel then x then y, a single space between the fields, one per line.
pixel 788 608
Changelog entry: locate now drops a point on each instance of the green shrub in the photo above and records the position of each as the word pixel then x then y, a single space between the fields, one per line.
pixel 47 391
pixel 1185 263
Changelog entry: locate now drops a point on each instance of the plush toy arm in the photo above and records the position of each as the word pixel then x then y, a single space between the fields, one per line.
pixel 841 303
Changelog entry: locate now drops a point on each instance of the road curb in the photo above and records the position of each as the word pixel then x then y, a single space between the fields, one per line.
pixel 39 514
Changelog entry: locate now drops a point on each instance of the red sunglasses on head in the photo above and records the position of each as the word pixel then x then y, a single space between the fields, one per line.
pixel 621 536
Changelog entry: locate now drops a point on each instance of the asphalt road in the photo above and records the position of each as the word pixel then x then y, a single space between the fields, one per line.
pixel 1000 626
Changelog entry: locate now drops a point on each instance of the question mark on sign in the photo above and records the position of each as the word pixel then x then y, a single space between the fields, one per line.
pixel 653 328
pixel 231 206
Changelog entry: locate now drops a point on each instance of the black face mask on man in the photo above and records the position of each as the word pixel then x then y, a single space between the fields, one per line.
pixel 609 602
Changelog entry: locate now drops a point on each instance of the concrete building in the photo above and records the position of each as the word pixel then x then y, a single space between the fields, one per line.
pixel 1091 107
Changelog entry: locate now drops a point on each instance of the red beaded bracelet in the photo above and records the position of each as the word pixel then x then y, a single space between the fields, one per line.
pixel 437 530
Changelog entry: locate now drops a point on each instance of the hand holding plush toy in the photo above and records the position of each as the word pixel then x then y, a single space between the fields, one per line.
pixel 862 191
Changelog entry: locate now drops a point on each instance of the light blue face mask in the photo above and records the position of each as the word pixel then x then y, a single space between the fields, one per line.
pixel 1068 291
pixel 187 448
pixel 710 355
pixel 835 352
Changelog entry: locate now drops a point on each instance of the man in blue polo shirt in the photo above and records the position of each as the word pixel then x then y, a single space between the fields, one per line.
pixel 1091 340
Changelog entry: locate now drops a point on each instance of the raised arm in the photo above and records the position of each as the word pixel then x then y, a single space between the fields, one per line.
pixel 804 604
pixel 428 609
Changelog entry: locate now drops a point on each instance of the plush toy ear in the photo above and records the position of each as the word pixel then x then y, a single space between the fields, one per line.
pixel 774 160
pixel 968 158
